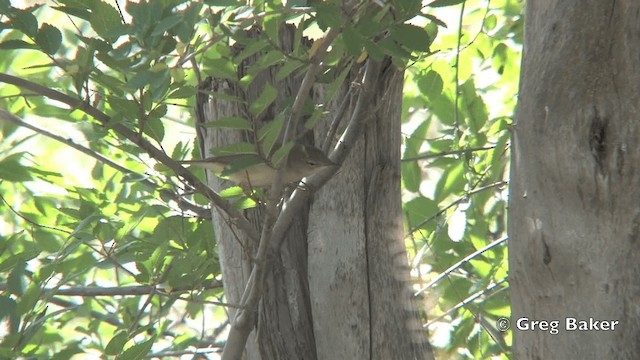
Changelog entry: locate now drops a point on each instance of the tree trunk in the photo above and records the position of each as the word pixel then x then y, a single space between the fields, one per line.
pixel 358 267
pixel 348 296
pixel 574 216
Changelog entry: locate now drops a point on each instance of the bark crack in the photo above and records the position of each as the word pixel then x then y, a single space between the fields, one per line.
pixel 598 139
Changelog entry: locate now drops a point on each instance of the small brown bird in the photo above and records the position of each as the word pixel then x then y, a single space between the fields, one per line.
pixel 302 161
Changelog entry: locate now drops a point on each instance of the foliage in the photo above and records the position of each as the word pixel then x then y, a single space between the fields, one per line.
pixel 104 252
pixel 458 106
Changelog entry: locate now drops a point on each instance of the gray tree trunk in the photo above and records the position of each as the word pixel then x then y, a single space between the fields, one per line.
pixel 358 267
pixel 338 288
pixel 574 220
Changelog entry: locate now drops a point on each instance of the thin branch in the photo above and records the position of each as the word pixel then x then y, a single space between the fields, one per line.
pixel 132 136
pixel 446 153
pixel 33 223
pixel 242 323
pixel 111 291
pixel 457 265
pixel 361 115
pixel 454 203
pixel 182 203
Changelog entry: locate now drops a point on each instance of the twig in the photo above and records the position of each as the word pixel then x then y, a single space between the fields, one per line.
pixel 457 265
pixel 132 136
pixel 111 291
pixel 446 153
pixel 454 203
pixel 241 325
pixel 182 203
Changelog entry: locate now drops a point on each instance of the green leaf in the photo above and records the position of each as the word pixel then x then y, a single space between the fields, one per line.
pixel 105 21
pixel 281 152
pixel 231 122
pixel 137 351
pixel 155 129
pixel 249 50
pixel 420 209
pixel 443 3
pixel 166 24
pixel 353 41
pixel 413 37
pixel 116 344
pixel 266 98
pixel 268 134
pixel 142 79
pixel 289 66
pixel 430 84
pixel 11 170
pixel 49 38
pixel 411 176
pixel 17 44
pixel 220 68
pixel 183 92
pixel 243 162
pixel 26 22
pixel 328 15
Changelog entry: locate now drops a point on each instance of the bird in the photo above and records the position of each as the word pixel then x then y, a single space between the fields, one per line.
pixel 250 170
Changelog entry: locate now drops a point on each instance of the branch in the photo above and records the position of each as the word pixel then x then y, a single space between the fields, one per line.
pixel 242 324
pixel 456 202
pixel 182 203
pixel 445 153
pixel 361 115
pixel 111 291
pixel 457 265
pixel 135 138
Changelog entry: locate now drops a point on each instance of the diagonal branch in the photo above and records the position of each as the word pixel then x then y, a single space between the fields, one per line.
pixel 135 138
pixel 241 325
pixel 182 203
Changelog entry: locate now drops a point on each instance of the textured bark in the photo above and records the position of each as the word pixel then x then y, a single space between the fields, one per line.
pixel 574 218
pixel 358 266
pixel 284 318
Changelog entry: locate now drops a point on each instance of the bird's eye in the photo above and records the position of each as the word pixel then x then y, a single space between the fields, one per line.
pixel 311 163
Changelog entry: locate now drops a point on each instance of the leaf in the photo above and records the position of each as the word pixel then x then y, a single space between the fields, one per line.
pixel 183 92
pixel 328 15
pixel 420 209
pixel 166 24
pixel 266 98
pixel 142 79
pixel 413 37
pixel 411 176
pixel 116 344
pixel 137 351
pixel 155 129
pixel 220 68
pixel 25 22
pixel 281 152
pixel 352 40
pixel 105 21
pixel 11 170
pixel 289 66
pixel 49 39
pixel 443 3
pixel 17 44
pixel 249 50
pixel 430 84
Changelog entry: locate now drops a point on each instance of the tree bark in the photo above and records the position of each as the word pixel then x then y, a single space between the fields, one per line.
pixel 284 317
pixel 358 267
pixel 348 296
pixel 574 220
